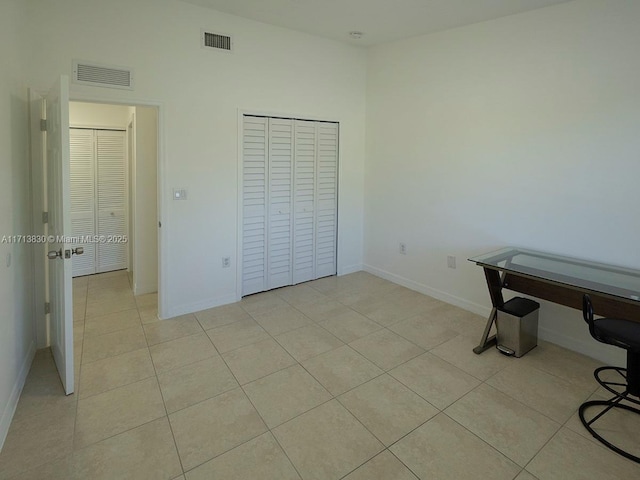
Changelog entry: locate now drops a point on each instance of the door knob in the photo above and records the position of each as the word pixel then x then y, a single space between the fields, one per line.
pixel 78 251
pixel 52 255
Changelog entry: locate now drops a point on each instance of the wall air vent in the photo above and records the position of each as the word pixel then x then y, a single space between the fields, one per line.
pixel 108 76
pixel 217 41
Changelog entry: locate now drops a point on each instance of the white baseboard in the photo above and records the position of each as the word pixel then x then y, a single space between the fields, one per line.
pixel 432 292
pixel 349 269
pixel 145 288
pixel 10 408
pixel 198 306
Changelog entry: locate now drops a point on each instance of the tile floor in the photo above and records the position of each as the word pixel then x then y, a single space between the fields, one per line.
pixel 345 377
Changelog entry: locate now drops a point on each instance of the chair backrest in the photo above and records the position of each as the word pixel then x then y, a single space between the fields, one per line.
pixel 587 314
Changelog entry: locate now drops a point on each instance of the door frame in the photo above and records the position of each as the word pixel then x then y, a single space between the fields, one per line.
pixel 41 320
pixel 240 217
pixel 162 168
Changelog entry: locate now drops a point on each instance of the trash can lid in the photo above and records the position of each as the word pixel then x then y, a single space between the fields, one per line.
pixel 520 307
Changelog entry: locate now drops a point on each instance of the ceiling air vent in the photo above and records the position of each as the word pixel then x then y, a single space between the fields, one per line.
pixel 102 75
pixel 217 41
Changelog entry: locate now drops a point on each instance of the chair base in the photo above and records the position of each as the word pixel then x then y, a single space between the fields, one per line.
pixel 608 404
pixel 620 390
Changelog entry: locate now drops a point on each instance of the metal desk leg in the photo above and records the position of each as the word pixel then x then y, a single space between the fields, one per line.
pixel 487 342
pixel 494 283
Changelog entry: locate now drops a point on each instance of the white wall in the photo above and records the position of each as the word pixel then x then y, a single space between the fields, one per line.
pixel 17 332
pixel 145 270
pixel 201 91
pixel 98 115
pixel 520 131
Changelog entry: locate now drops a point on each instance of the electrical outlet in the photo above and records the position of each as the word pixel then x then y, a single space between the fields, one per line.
pixel 403 248
pixel 179 193
pixel 451 261
pixel 226 262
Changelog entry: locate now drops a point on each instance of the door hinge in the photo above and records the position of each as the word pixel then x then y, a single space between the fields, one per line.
pixel 47 308
pixel 45 217
pixel 43 125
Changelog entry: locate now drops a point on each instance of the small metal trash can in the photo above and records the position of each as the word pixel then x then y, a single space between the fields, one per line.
pixel 517 325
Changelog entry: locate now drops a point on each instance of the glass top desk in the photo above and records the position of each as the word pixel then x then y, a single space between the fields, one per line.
pixel 615 291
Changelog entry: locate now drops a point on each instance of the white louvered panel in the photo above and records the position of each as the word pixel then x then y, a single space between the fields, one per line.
pixel 82 174
pixel 112 199
pixel 111 161
pixel 81 225
pixel 327 200
pixel 254 203
pixel 280 196
pixel 111 255
pixel 304 201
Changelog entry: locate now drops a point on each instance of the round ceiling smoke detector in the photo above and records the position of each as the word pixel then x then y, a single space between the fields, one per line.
pixel 356 35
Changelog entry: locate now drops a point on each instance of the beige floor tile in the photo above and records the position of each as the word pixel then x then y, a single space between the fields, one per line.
pixel 563 363
pixel 326 442
pixel 42 391
pixel 171 329
pixel 462 321
pixel 387 408
pixel 261 302
pixel 193 383
pixel 285 394
pixel 107 414
pixel 386 349
pixel 459 352
pixel 307 342
pixel 423 332
pixel 281 319
pixel 341 369
pixel 435 380
pixel 257 360
pixel 390 313
pixel 350 326
pixel 260 458
pixel 107 304
pixel 524 475
pixel 552 396
pixel 570 456
pixel 300 294
pixel 236 335
pixel 384 466
pixel 181 351
pixel 147 300
pixel 322 310
pixel 37 439
pixel 112 344
pixel 111 323
pixel 444 450
pixel 219 316
pixel 212 427
pixel 112 372
pixel 147 452
pixel 148 314
pixel 514 429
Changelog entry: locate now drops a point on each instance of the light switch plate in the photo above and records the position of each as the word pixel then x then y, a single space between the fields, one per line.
pixel 179 193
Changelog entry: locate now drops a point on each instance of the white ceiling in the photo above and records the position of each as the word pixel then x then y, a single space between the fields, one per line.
pixel 380 20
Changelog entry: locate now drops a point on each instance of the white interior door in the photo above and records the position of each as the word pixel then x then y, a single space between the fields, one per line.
pixel 327 200
pixel 58 194
pixel 304 187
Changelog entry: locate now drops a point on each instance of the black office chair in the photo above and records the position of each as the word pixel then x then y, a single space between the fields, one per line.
pixel 624 334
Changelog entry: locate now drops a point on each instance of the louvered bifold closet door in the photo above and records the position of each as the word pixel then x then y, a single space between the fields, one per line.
pixel 112 199
pixel 280 196
pixel 304 187
pixel 83 207
pixel 327 199
pixel 254 204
